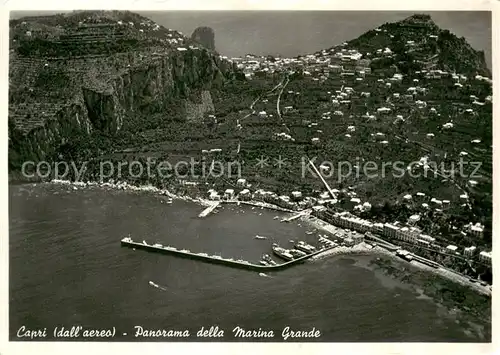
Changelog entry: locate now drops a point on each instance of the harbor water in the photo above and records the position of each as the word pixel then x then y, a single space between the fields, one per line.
pixel 67 268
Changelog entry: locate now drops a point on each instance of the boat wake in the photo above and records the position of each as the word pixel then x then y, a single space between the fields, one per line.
pixel 157 286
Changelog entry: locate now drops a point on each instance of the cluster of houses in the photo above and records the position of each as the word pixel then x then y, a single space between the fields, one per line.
pixel 294 202
pixel 354 66
pixel 345 62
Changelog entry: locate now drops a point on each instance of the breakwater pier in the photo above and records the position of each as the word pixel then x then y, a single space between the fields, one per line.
pixel 215 259
pixel 209 210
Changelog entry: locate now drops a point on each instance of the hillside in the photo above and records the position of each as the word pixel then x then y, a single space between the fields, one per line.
pixel 406 92
pixel 99 72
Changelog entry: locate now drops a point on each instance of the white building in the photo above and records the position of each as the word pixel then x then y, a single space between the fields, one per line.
pixel 469 252
pixel 244 195
pixel 383 110
pixel 485 256
pixel 476 230
pixel 241 182
pixel 229 194
pixel 213 195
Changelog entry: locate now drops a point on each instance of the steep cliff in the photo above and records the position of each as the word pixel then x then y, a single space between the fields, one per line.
pixel 56 91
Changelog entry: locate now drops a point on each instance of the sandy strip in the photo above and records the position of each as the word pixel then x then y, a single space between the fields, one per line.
pixel 321 225
pixel 128 187
pixel 361 248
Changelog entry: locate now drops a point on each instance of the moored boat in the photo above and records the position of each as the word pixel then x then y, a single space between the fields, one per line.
pixel 297 253
pixel 282 253
pixel 268 259
pixel 303 246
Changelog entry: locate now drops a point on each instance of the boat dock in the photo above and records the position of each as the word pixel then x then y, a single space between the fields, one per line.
pixel 208 210
pixel 215 259
pixel 296 216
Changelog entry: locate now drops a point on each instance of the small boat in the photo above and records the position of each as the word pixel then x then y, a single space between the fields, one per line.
pixel 260 237
pixel 263 262
pixel 184 251
pixel 309 232
pixel 303 246
pixel 157 245
pixel 144 242
pixel 268 259
pixel 276 217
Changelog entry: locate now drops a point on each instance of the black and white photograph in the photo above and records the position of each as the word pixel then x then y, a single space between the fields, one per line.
pixel 250 176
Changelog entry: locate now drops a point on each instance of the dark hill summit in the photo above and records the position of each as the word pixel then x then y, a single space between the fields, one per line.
pixel 418 43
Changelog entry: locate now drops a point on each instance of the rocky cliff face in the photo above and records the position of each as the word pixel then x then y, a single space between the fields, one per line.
pixel 52 99
pixel 204 36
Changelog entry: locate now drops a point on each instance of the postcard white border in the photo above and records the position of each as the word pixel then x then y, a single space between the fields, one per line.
pixel 11 348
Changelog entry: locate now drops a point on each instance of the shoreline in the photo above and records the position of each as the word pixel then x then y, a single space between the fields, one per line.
pixel 124 186
pixel 362 249
pixel 359 249
pixel 165 192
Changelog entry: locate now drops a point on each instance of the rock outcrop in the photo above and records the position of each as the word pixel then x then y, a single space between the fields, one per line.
pixel 205 36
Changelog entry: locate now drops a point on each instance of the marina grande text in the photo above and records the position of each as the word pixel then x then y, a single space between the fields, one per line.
pixel 287 333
